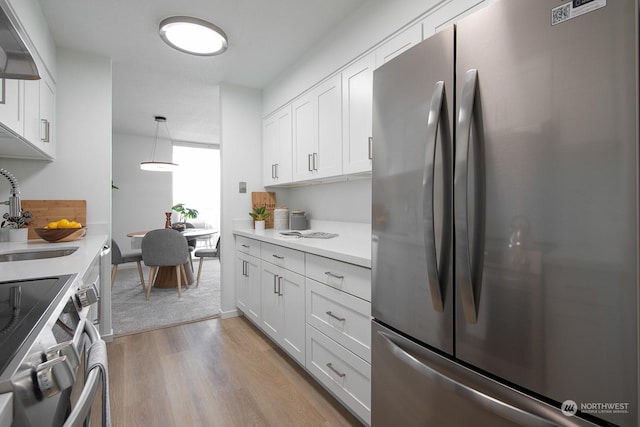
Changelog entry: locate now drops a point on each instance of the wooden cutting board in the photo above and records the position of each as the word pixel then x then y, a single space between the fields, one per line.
pixel 45 211
pixel 267 199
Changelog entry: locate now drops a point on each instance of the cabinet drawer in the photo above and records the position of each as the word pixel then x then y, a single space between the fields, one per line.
pixel 342 317
pixel 346 375
pixel 283 257
pixel 346 277
pixel 248 246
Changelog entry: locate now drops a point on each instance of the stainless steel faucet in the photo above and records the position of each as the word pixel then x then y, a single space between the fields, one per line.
pixel 15 210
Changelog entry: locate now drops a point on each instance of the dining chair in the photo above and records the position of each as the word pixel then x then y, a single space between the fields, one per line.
pixel 206 253
pixel 165 247
pixel 117 258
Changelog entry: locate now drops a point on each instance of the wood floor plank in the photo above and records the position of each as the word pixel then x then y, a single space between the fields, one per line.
pixel 214 373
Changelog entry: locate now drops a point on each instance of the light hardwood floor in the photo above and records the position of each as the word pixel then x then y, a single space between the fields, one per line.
pixel 213 373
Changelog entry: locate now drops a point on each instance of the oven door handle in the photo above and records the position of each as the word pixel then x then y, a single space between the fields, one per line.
pixel 94 379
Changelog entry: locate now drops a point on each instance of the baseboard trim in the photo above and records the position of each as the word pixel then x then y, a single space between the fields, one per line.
pixel 228 313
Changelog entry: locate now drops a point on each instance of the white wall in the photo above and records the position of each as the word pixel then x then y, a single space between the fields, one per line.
pixel 142 197
pixel 241 160
pixel 82 169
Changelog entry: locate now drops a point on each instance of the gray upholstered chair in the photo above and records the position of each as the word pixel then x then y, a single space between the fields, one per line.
pixel 206 253
pixel 117 258
pixel 165 247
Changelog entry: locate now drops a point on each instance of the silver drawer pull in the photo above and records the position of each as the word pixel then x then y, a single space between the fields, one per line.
pixel 338 373
pixel 341 319
pixel 246 246
pixel 277 256
pixel 337 276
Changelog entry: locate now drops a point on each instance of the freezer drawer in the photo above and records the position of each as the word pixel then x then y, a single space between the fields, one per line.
pixel 413 386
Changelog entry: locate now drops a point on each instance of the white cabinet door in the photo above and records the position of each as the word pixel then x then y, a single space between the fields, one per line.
pixel 39 114
pixel 398 44
pixel 327 157
pixel 357 99
pixel 11 111
pixel 248 286
pixel 47 116
pixel 304 138
pixel 272 306
pixel 277 140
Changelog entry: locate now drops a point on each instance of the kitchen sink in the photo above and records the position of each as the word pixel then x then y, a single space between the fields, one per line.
pixel 37 254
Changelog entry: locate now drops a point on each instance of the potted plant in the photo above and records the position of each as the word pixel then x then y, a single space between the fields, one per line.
pixel 17 226
pixel 185 213
pixel 259 214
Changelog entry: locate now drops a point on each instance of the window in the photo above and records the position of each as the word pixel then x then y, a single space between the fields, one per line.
pixel 196 183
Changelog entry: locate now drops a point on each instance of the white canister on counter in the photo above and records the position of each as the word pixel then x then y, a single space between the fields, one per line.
pixel 280 218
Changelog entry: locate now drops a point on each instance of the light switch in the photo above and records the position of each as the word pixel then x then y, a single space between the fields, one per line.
pixel 243 187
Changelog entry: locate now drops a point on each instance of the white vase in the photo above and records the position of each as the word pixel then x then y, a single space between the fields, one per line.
pixel 18 234
pixel 259 225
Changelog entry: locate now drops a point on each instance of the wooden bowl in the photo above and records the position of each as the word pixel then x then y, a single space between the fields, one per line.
pixel 61 234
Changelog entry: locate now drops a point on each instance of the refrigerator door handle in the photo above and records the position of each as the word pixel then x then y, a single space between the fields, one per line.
pixel 469 257
pixel 495 404
pixel 437 119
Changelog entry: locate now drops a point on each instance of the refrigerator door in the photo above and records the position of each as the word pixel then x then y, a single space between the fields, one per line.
pixel 546 250
pixel 417 387
pixel 412 206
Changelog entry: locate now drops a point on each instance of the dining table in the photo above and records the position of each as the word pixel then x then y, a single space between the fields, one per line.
pixel 166 277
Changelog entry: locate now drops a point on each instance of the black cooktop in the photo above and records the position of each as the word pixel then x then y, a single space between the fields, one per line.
pixel 24 305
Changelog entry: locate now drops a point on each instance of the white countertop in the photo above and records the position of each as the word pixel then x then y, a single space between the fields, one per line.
pixel 352 245
pixel 78 262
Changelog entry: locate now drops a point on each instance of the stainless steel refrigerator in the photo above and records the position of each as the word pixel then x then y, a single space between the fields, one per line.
pixel 505 220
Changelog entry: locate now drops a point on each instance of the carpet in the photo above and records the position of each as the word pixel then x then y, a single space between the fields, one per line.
pixel 132 313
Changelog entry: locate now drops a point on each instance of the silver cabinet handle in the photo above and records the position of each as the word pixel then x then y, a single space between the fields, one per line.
pixel 280 285
pixel 277 164
pixel 330 314
pixel 469 258
pixel 47 128
pixel 273 171
pixel 309 162
pixel 245 269
pixel 338 373
pixel 337 276
pixel 275 279
pixel 315 161
pixel 370 148
pixel 280 257
pixel 246 246
pixel 437 118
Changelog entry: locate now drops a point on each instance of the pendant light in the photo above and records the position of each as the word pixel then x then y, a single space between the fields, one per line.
pixel 158 166
pixel 193 35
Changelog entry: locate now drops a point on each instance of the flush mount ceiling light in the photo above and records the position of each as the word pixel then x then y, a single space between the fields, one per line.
pixel 158 166
pixel 193 35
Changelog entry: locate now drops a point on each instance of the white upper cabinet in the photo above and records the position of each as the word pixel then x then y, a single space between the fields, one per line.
pixel 39 113
pixel 398 44
pixel 317 132
pixel 277 137
pixel 357 99
pixel 11 111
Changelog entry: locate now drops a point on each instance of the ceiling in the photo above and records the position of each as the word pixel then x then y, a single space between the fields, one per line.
pixel 150 78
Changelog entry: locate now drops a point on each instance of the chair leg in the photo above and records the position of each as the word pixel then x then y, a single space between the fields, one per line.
pixel 179 277
pixel 141 275
pixel 183 270
pixel 114 270
pixel 199 272
pixel 152 280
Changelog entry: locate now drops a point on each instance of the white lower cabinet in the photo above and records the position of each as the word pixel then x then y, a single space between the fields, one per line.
pixel 283 308
pixel 248 286
pixel 346 375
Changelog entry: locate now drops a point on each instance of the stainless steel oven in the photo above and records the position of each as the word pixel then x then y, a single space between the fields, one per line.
pixel 51 355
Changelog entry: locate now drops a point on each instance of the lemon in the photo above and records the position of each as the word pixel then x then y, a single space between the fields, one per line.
pixel 63 223
pixel 53 224
pixel 74 224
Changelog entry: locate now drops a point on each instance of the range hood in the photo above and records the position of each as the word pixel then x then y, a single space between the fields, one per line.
pixel 16 61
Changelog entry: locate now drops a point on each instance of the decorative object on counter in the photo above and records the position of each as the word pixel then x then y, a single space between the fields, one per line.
pixel 266 199
pixel 309 234
pixel 159 166
pixel 259 216
pixel 185 213
pixel 55 235
pixel 167 221
pixel 47 211
pixel 17 226
pixel 281 218
pixel 298 220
